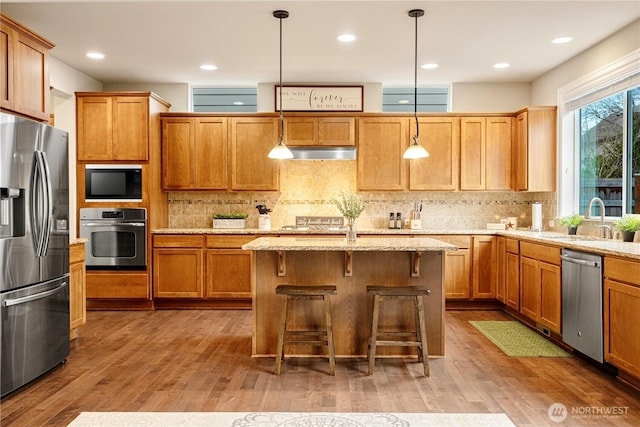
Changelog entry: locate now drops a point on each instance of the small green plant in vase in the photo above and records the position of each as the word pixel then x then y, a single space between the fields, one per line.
pixel 628 225
pixel 571 222
pixel 350 206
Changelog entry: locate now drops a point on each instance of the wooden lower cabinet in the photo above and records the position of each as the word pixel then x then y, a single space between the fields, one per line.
pixel 457 267
pixel 484 267
pixel 77 289
pixel 198 267
pixel 622 314
pixel 540 284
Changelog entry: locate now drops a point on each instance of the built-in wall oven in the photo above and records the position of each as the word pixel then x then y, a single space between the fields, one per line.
pixel 117 238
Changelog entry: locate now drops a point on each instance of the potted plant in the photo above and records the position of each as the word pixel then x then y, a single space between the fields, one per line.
pixel 350 206
pixel 229 220
pixel 571 222
pixel 628 225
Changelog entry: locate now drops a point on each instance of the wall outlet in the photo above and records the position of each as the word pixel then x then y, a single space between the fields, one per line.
pixel 552 223
pixel 407 221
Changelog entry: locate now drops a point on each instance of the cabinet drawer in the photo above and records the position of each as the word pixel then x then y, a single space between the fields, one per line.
pixel 513 246
pixel 76 253
pixel 460 241
pixel 235 242
pixel 178 241
pixel 549 254
pixel 113 286
pixel 622 270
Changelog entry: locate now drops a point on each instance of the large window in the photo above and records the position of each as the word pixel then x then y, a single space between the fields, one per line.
pixel 223 100
pixel 609 153
pixel 430 99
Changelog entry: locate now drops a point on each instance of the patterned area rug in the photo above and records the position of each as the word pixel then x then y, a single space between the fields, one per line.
pixel 285 419
pixel 516 340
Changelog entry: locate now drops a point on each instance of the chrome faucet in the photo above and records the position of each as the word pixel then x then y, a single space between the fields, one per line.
pixel 605 230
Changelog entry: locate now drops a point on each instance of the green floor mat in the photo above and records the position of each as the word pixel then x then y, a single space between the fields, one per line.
pixel 516 340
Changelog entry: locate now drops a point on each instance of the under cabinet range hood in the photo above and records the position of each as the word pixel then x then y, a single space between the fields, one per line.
pixel 323 153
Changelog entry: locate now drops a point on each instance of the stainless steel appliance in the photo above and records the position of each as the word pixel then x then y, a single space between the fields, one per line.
pixel 582 326
pixel 113 183
pixel 34 250
pixel 117 237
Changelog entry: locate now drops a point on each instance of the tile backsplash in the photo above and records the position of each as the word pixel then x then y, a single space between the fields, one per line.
pixel 306 187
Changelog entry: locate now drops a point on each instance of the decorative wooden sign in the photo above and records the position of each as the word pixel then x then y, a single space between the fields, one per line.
pixel 319 98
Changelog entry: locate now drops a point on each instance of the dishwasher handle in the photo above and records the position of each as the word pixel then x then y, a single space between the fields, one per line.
pixel 580 261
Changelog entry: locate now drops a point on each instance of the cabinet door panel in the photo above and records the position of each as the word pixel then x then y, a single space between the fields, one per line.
pixel 177 273
pixel 130 133
pixel 501 262
pixel 529 288
pixel 301 131
pixel 337 131
pixel 251 141
pixel 31 83
pixel 439 171
pixel 473 153
pixel 178 139
pixel 498 157
pixel 211 170
pixel 228 274
pixel 381 144
pixel 520 170
pixel 512 277
pixel 621 317
pixel 484 271
pixel 95 128
pixel 550 296
pixel 6 62
pixel 457 274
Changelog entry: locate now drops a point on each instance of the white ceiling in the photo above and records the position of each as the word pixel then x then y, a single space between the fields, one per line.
pixel 167 41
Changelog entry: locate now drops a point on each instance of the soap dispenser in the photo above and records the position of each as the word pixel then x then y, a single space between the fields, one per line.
pixel 264 220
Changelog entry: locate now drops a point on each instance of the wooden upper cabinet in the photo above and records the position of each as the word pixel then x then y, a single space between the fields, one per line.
pixel 194 153
pixel 485 153
pixel 320 131
pixel 381 144
pixel 112 127
pixel 251 139
pixel 534 151
pixel 440 136
pixel 24 58
pixel 473 153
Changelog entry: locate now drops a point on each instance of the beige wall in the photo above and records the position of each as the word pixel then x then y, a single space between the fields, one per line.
pixel 544 89
pixel 176 94
pixel 490 97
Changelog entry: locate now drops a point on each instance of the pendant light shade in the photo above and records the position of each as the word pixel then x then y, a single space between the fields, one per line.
pixel 280 151
pixel 415 150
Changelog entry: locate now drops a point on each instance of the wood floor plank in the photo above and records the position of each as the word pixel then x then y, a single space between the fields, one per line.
pixel 200 360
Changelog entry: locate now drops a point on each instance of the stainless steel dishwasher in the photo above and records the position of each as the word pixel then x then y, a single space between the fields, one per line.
pixel 582 325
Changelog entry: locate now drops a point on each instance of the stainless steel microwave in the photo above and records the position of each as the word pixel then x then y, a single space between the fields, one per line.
pixel 113 183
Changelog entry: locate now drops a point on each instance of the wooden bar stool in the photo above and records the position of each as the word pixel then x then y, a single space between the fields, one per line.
pixel 313 337
pixel 394 338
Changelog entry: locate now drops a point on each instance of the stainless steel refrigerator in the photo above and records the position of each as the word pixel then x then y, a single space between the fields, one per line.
pixel 34 250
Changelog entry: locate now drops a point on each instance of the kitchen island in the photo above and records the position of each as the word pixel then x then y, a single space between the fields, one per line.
pixel 401 261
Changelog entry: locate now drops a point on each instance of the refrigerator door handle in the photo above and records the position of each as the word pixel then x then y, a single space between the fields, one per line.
pixel 22 300
pixel 41 203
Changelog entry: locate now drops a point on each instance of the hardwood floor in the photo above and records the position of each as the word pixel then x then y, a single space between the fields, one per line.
pixel 200 360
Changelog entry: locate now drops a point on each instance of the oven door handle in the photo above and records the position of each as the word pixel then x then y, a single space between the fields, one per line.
pixel 107 224
pixel 22 300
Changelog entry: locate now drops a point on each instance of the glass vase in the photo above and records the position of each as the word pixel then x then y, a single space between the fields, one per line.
pixel 351 232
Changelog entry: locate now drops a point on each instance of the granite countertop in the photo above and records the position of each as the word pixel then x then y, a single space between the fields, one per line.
pixel 397 244
pixel 582 243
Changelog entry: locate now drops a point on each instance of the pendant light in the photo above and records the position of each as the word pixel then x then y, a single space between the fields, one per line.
pixel 415 150
pixel 280 151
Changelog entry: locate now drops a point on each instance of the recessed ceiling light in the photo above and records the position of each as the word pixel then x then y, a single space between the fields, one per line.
pixel 95 55
pixel 346 37
pixel 208 67
pixel 403 101
pixel 500 65
pixel 430 66
pixel 561 40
